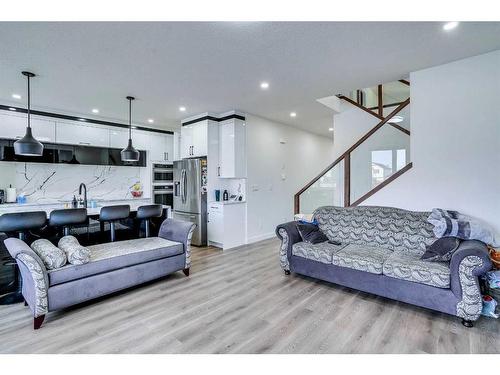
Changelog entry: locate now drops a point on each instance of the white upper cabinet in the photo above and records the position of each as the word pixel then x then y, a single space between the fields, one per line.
pixel 186 141
pixel 161 147
pixel 194 140
pixel 118 138
pixel 200 139
pixel 14 127
pixel 232 149
pixel 74 133
pixel 169 147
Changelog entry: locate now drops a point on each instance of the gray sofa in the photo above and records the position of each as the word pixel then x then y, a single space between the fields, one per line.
pixel 380 253
pixel 113 266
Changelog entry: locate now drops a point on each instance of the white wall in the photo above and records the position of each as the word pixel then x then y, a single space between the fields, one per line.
pixel 269 196
pixel 455 141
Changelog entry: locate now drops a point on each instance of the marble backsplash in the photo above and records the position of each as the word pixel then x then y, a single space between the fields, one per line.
pixel 48 183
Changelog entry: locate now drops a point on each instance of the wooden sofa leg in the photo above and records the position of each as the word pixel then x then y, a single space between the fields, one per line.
pixel 37 322
pixel 186 271
pixel 467 323
pixel 25 303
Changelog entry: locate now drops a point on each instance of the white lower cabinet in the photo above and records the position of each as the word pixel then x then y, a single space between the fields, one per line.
pixel 14 127
pixel 226 224
pixel 216 223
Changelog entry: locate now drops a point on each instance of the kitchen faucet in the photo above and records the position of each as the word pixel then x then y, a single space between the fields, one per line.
pixel 82 185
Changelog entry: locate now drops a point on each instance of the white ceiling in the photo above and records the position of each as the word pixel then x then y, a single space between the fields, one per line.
pixel 218 66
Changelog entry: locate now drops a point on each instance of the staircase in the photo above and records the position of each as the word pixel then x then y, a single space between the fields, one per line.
pixel 374 161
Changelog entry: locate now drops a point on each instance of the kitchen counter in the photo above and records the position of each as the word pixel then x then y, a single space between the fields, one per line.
pixel 134 203
pixel 227 202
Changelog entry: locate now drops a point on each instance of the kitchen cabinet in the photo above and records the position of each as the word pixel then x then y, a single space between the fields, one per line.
pixel 81 134
pixel 14 127
pixel 161 147
pixel 232 149
pixel 226 224
pixel 215 225
pixel 194 140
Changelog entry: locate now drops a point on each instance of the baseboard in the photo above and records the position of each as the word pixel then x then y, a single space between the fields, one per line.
pixel 260 237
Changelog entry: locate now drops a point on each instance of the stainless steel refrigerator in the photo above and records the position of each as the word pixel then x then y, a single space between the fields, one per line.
pixel 190 196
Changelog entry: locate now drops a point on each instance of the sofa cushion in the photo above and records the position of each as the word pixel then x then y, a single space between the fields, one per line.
pixel 411 268
pixel 114 255
pixel 320 252
pixel 362 258
pixel 386 227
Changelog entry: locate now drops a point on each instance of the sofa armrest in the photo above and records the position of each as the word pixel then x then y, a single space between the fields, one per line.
pixel 178 231
pixel 34 275
pixel 469 261
pixel 289 235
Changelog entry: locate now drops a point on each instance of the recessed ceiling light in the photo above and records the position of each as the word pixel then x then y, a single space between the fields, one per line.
pixel 16 96
pixel 182 109
pixel 134 127
pixel 264 85
pixel 95 110
pixel 450 25
pixel 293 114
pixel 330 129
pixel 396 119
pixel 82 119
pixel 150 120
pixel 12 109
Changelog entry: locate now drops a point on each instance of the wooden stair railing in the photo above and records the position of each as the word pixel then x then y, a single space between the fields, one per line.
pixel 346 156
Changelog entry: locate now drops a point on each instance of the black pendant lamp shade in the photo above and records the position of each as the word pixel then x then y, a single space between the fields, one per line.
pixel 28 145
pixel 129 153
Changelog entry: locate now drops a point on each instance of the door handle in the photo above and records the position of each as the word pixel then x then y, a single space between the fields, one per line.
pixel 218 171
pixel 185 183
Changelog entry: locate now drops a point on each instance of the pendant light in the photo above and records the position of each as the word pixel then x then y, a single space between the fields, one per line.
pixel 129 153
pixel 28 145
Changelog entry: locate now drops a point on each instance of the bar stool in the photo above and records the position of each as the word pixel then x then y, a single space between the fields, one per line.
pixel 20 223
pixel 68 218
pixel 111 215
pixel 146 213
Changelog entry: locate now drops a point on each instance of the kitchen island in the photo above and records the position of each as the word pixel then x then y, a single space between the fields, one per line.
pixel 134 203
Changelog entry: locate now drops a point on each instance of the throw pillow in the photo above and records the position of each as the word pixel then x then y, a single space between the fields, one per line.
pixel 441 250
pixel 76 253
pixel 50 255
pixel 311 233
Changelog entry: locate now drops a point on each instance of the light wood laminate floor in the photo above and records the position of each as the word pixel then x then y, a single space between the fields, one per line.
pixel 239 301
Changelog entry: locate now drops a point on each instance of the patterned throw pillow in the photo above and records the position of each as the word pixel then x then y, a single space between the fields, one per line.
pixel 51 256
pixel 441 250
pixel 76 253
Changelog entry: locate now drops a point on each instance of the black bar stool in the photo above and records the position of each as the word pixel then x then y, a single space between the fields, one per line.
pixel 146 213
pixel 68 218
pixel 113 214
pixel 20 223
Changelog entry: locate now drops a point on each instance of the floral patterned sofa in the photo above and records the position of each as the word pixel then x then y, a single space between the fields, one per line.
pixel 380 253
pixel 112 267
